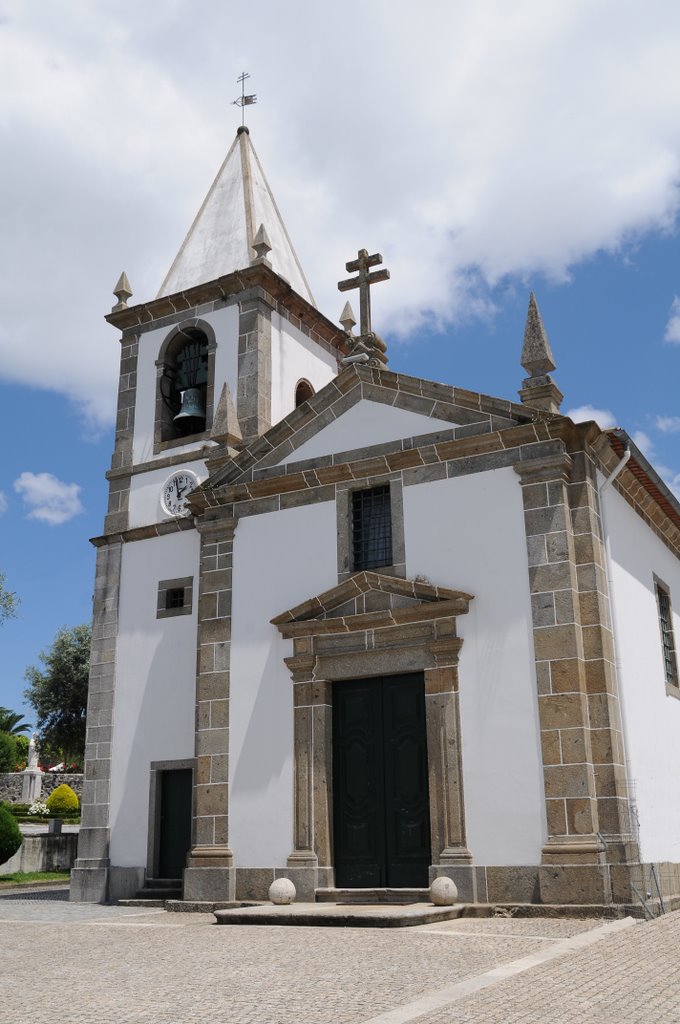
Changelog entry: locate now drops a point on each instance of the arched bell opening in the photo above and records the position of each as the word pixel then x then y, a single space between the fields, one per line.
pixel 185 371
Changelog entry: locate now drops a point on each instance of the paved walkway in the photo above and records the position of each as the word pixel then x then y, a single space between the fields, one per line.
pixel 140 966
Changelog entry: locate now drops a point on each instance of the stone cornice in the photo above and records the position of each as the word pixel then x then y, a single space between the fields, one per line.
pixel 144 532
pixel 221 290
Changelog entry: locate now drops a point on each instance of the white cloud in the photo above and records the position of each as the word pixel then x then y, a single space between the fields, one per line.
pixel 667 424
pixel 542 135
pixel 50 500
pixel 603 417
pixel 644 443
pixel 3 502
pixel 673 326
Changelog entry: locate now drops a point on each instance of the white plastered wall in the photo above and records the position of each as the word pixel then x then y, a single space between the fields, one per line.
pixel 155 685
pixel 224 322
pixel 280 559
pixel 366 423
pixel 146 489
pixel 294 357
pixel 651 717
pixel 468 533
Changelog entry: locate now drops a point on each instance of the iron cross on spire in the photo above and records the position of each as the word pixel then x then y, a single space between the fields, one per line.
pixel 244 101
pixel 363 282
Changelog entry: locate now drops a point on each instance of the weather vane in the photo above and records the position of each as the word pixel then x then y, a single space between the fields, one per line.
pixel 244 101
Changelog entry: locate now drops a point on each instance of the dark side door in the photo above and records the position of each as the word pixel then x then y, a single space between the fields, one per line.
pixel 175 824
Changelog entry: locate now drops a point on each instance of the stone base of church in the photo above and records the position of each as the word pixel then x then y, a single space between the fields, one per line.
pixel 89 883
pixel 212 884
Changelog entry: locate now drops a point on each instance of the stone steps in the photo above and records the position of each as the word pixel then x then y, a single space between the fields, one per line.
pixel 356 897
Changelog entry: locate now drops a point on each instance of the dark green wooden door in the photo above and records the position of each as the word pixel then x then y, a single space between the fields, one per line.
pixel 380 793
pixel 175 824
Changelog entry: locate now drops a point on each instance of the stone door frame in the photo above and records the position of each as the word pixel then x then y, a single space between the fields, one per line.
pixel 336 637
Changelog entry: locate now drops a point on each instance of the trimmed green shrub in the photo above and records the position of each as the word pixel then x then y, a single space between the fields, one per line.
pixel 63 801
pixel 8 752
pixel 10 835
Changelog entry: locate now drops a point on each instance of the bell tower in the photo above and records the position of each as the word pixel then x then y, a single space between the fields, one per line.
pixel 231 343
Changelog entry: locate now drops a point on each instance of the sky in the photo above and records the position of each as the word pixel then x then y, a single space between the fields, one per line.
pixel 484 149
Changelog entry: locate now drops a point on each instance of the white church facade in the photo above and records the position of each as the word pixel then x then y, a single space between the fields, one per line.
pixel 360 629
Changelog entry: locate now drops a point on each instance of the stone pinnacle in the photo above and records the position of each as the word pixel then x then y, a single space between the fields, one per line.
pixel 537 357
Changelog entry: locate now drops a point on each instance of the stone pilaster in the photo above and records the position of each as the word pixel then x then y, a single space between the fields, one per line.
pixel 442 716
pixel 606 731
pixel 89 879
pixel 573 854
pixel 312 771
pixel 210 871
pixel 119 487
pixel 254 368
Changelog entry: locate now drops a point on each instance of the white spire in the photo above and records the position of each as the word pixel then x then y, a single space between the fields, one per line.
pixel 221 238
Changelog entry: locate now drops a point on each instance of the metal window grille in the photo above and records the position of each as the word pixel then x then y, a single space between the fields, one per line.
pixel 371 528
pixel 174 598
pixel 667 641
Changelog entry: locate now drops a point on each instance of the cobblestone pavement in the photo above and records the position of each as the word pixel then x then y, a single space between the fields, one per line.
pixel 133 966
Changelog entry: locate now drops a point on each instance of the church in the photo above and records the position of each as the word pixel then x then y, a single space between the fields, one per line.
pixel 361 630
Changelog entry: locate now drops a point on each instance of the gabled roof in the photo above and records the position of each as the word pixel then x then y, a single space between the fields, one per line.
pixel 221 237
pixel 475 422
pixel 369 600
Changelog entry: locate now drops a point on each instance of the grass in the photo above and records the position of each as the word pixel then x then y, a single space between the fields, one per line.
pixel 19 877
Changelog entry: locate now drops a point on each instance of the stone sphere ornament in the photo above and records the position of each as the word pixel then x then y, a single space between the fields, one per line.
pixel 443 892
pixel 282 892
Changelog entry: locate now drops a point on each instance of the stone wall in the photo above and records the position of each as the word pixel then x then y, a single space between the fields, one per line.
pixel 43 853
pixel 11 785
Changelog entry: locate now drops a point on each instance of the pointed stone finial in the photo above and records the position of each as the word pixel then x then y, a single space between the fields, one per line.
pixel 262 247
pixel 347 318
pixel 537 357
pixel 538 390
pixel 122 291
pixel 225 428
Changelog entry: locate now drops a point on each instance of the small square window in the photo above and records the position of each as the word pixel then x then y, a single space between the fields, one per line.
pixel 175 597
pixel 670 664
pixel 371 528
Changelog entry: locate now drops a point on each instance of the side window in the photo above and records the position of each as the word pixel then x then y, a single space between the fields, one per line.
pixel 303 391
pixel 670 663
pixel 184 397
pixel 371 528
pixel 175 597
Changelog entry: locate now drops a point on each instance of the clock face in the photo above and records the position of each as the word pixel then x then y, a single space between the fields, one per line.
pixel 175 490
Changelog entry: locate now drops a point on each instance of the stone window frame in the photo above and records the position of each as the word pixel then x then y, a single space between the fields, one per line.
pixel 343 506
pixel 156 768
pixel 185 583
pixel 673 683
pixel 169 343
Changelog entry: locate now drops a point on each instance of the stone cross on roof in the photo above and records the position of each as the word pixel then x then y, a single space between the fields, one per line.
pixel 363 282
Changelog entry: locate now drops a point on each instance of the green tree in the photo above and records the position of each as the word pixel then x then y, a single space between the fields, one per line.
pixel 8 753
pixel 12 722
pixel 8 600
pixel 59 692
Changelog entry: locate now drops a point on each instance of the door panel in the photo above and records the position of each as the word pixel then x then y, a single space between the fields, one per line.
pixel 358 786
pixel 175 824
pixel 380 784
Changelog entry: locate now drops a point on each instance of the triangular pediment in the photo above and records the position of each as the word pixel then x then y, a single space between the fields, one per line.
pixel 370 600
pixel 367 412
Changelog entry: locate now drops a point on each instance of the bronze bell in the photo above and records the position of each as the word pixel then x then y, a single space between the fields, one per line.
pixel 192 405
